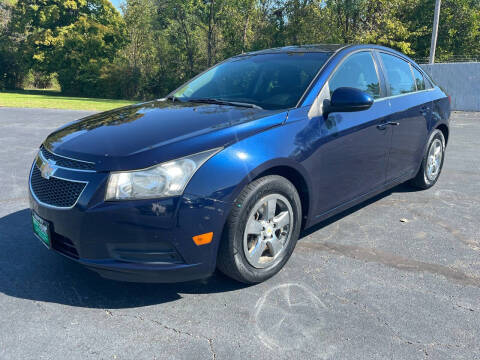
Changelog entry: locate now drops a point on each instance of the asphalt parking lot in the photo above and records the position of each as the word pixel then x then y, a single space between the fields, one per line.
pixel 397 277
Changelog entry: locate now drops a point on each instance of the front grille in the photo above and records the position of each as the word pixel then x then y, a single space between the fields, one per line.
pixel 55 192
pixel 65 162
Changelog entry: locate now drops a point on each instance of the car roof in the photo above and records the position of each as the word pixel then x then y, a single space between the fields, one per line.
pixel 325 48
pixel 332 49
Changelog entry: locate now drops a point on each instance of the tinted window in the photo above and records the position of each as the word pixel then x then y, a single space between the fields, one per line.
pixel 272 81
pixel 419 80
pixel 399 75
pixel 357 71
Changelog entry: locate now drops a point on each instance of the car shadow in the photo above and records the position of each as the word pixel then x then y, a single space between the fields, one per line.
pixel 28 270
pixel 402 188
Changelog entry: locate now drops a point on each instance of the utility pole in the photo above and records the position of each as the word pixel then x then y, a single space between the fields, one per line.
pixel 436 20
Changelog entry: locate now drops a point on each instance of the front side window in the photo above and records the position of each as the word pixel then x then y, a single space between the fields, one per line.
pixel 399 75
pixel 357 71
pixel 271 81
pixel 419 80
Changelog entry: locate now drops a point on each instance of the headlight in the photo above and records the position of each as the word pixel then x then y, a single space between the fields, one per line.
pixel 163 180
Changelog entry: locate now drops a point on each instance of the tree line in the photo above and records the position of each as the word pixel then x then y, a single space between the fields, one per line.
pixel 151 46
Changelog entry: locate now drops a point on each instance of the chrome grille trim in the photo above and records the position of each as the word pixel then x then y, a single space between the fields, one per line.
pixel 59 178
pixel 44 153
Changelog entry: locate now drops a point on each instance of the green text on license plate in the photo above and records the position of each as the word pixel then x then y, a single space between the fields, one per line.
pixel 40 228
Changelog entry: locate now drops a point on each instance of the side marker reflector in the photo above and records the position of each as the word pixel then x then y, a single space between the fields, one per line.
pixel 203 239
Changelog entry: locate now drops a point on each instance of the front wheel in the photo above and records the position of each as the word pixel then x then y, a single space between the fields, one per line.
pixel 262 230
pixel 432 162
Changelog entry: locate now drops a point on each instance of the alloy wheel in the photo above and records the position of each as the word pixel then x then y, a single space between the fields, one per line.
pixel 434 159
pixel 268 230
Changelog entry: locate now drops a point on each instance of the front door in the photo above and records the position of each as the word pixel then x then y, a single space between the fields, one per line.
pixel 353 155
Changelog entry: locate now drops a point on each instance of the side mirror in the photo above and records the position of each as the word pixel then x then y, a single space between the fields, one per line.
pixel 347 99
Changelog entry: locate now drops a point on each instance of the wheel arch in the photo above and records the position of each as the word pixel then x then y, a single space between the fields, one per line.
pixel 291 171
pixel 445 131
pixel 296 178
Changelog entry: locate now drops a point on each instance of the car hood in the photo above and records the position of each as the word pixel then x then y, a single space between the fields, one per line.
pixel 145 134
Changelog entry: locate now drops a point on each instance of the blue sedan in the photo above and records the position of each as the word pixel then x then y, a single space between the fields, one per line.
pixel 228 169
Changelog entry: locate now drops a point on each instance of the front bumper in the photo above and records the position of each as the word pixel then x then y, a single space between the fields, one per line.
pixel 137 241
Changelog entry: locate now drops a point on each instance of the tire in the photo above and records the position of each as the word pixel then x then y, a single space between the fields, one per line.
pixel 240 254
pixel 425 179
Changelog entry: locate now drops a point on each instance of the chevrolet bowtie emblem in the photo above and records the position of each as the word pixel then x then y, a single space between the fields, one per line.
pixel 47 168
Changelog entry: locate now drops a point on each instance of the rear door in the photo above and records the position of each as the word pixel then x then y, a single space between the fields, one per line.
pixel 411 111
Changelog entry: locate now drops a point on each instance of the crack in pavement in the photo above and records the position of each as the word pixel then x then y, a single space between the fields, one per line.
pixel 214 355
pixel 397 262
pixel 40 306
pixel 454 232
pixel 166 327
pixel 394 333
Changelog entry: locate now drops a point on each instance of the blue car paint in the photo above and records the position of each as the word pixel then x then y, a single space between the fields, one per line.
pixel 337 161
pixel 143 135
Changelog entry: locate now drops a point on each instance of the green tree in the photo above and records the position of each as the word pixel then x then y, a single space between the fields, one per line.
pixel 237 31
pixel 155 45
pixel 12 68
pixel 459 30
pixel 180 38
pixel 370 21
pixel 381 24
pixel 74 38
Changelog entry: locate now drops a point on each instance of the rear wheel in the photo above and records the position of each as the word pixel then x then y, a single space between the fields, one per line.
pixel 432 162
pixel 261 231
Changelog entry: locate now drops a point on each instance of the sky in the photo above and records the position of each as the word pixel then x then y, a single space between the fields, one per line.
pixel 116 3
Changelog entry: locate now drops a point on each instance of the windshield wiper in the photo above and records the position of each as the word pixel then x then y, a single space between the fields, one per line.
pixel 173 98
pixel 225 102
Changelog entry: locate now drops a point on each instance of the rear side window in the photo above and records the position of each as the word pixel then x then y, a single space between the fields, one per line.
pixel 399 75
pixel 357 71
pixel 419 79
pixel 428 82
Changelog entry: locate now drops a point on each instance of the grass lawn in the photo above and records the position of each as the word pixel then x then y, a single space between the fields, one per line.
pixel 55 100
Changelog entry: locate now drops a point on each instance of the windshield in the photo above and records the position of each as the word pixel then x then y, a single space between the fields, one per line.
pixel 271 81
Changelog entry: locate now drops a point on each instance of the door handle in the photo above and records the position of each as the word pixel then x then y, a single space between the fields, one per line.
pixel 384 125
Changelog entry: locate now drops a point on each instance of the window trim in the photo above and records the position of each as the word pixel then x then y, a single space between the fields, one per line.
pixel 386 76
pixel 400 95
pixel 314 81
pixel 429 84
pixel 389 96
pixel 415 79
pixel 377 70
pixel 381 73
